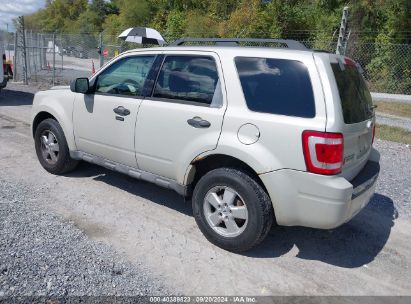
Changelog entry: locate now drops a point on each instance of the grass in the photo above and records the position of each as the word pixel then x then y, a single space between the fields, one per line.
pixel 393 134
pixel 394 108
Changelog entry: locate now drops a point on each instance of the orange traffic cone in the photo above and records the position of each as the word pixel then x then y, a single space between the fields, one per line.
pixel 93 70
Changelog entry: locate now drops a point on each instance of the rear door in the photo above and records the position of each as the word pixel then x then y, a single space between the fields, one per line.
pixel 183 114
pixel 355 111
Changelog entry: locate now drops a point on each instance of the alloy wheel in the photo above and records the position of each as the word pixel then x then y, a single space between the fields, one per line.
pixel 49 147
pixel 225 211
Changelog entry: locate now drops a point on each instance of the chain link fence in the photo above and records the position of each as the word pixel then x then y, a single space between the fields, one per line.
pixel 56 59
pixel 387 67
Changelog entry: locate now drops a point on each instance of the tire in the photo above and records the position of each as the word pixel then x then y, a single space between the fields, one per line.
pixel 253 223
pixel 61 162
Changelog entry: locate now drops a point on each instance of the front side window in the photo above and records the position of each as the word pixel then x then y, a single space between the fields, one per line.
pixel 125 77
pixel 276 86
pixel 191 79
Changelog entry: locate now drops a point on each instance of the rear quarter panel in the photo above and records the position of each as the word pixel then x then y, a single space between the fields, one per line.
pixel 279 145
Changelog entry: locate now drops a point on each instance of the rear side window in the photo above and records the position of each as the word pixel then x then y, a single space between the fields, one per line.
pixel 276 86
pixel 355 98
pixel 189 79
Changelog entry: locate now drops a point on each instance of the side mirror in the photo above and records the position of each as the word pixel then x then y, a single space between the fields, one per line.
pixel 80 85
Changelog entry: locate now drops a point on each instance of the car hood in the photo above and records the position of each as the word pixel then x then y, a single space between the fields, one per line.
pixel 60 88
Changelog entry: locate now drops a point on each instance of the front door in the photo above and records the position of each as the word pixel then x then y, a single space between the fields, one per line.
pixel 104 122
pixel 183 116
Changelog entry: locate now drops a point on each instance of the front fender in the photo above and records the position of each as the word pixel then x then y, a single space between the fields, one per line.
pixel 58 103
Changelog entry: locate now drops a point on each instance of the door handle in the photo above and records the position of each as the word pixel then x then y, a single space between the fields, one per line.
pixel 198 122
pixel 120 110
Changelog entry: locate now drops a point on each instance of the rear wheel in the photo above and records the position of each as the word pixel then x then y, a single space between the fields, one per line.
pixel 52 149
pixel 232 210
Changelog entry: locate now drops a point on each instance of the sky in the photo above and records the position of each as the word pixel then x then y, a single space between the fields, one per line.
pixel 10 9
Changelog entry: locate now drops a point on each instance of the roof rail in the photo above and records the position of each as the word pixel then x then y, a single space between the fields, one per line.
pixel 322 51
pixel 291 44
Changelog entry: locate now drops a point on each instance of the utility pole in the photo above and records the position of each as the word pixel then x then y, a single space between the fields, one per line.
pixel 23 30
pixel 342 39
pixel 15 56
pixel 8 40
pixel 54 58
pixel 100 49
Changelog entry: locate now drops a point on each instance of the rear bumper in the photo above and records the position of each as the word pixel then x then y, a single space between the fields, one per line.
pixel 319 201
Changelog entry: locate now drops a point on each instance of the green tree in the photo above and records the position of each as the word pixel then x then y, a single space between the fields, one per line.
pixel 175 25
pixel 134 13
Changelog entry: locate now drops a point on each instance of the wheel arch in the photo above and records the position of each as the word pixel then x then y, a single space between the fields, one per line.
pixel 43 115
pixel 63 120
pixel 201 166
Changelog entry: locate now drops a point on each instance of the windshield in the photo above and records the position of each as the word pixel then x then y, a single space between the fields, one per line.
pixel 355 98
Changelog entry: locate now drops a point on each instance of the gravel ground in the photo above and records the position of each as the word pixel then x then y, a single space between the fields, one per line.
pixel 43 255
pixel 395 121
pixel 395 176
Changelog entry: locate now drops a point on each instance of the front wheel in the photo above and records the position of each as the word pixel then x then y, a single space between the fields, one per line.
pixel 231 209
pixel 52 149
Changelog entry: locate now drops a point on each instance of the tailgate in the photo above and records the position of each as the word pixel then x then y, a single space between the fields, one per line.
pixel 357 147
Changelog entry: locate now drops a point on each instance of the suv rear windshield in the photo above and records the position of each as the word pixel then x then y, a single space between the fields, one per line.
pixel 276 86
pixel 355 98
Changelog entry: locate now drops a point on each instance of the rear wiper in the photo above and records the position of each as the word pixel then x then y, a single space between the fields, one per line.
pixel 371 108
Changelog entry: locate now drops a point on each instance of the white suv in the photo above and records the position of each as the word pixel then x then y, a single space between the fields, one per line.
pixel 254 135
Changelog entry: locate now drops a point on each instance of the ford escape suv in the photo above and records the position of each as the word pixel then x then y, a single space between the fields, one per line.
pixel 255 135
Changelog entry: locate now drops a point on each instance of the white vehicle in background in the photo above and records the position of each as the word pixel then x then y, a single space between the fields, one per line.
pixel 254 135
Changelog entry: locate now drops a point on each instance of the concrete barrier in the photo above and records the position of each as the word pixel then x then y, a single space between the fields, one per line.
pixel 391 97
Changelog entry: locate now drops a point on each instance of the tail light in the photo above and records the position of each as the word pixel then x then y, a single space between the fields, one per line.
pixel 373 133
pixel 350 62
pixel 323 152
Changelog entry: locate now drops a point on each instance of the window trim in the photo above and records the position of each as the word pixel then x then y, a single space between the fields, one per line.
pixel 267 113
pixel 184 101
pixel 152 76
pixel 141 96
